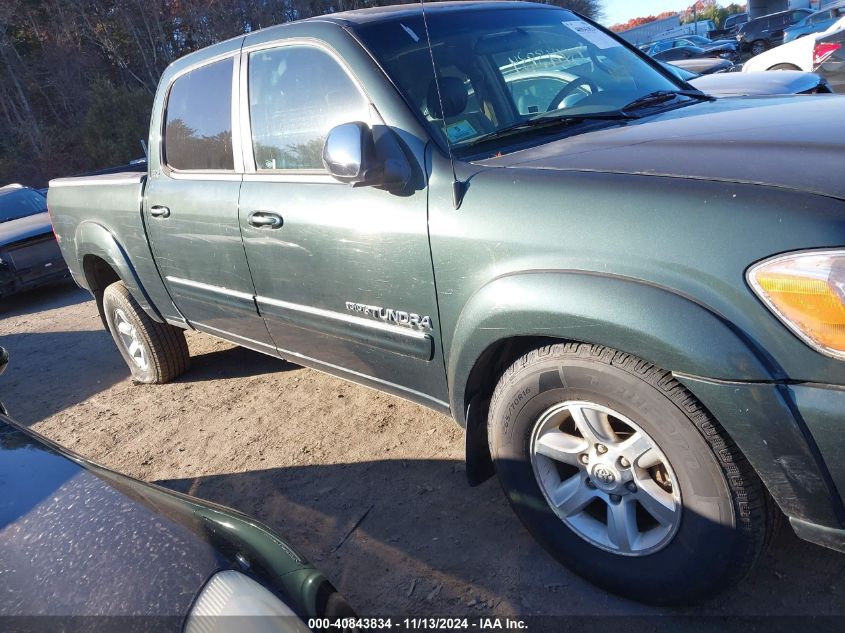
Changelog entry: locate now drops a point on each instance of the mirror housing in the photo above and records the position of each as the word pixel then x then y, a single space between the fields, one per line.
pixel 4 359
pixel 351 155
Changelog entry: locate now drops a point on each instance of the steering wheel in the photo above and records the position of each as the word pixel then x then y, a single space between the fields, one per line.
pixel 568 89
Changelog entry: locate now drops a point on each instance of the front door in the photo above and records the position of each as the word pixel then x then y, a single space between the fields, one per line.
pixel 342 276
pixel 191 210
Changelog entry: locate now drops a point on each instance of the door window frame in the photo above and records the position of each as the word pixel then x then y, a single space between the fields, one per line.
pixel 247 155
pixel 237 154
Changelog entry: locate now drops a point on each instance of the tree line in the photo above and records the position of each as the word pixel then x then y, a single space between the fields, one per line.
pixel 77 77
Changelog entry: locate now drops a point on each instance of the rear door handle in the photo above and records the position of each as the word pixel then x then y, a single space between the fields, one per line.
pixel 159 212
pixel 265 220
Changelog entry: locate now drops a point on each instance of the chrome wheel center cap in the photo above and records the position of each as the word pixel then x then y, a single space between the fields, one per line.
pixel 605 476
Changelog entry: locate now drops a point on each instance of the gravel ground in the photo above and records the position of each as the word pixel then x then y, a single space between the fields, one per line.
pixel 311 455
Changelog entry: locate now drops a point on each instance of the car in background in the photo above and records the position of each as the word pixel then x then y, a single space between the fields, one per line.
pixel 705 65
pixel 720 48
pixel 815 22
pixel 695 52
pixel 753 84
pixel 829 59
pixel 29 253
pixel 795 55
pixel 78 540
pixel 763 33
pixel 733 22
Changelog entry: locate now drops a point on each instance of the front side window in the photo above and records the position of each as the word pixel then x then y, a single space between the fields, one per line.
pixel 296 95
pixel 198 123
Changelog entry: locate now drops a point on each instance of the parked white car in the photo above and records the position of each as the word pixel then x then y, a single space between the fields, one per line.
pixel 794 55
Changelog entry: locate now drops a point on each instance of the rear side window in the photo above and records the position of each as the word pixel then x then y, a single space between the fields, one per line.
pixel 198 127
pixel 296 95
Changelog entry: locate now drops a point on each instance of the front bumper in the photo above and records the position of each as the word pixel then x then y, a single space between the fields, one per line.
pixel 788 433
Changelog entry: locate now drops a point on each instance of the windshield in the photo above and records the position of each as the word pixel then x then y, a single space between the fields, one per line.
pixel 20 203
pixel 500 67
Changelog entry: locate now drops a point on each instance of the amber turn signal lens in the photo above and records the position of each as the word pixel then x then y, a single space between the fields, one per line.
pixel 806 291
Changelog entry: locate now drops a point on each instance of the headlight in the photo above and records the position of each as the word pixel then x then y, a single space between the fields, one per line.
pixel 807 292
pixel 230 593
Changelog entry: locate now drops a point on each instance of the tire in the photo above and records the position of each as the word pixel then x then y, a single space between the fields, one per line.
pixel 784 67
pixel 160 352
pixel 758 46
pixel 721 514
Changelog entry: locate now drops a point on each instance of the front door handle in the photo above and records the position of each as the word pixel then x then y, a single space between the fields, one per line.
pixel 265 220
pixel 159 211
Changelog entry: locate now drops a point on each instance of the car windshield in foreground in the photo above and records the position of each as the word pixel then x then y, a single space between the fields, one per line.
pixel 20 203
pixel 498 70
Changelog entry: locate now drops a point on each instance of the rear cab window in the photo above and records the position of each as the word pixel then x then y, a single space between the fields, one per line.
pixel 198 120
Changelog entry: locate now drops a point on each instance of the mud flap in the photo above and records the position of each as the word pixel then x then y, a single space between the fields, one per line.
pixel 479 463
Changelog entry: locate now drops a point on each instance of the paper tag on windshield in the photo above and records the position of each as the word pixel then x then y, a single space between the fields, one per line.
pixel 591 34
pixel 460 130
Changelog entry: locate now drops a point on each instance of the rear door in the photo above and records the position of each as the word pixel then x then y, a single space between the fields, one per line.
pixel 343 276
pixel 191 207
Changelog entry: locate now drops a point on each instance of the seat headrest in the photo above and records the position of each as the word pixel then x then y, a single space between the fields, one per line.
pixel 453 92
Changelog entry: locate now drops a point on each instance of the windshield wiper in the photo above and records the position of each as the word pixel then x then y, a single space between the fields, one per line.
pixel 661 96
pixel 546 121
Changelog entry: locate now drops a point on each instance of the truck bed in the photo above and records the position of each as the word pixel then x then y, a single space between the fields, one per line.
pixel 102 216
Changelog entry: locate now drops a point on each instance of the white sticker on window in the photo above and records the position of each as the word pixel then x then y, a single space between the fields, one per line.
pixel 459 131
pixel 591 34
pixel 410 32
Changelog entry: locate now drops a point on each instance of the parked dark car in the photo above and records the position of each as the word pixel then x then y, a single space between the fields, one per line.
pixel 753 84
pixel 829 59
pixel 29 253
pixel 693 52
pixel 78 540
pixel 727 49
pixel 762 33
pixel 704 65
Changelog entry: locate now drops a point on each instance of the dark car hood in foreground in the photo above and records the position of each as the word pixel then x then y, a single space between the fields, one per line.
pixel 784 82
pixel 24 228
pixel 75 543
pixel 797 142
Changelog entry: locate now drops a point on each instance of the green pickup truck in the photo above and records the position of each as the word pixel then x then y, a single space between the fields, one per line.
pixel 630 294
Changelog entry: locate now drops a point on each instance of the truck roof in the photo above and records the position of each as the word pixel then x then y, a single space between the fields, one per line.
pixel 354 17
pixel 394 11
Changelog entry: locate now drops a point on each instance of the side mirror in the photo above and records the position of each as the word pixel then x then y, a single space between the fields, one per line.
pixel 4 359
pixel 352 155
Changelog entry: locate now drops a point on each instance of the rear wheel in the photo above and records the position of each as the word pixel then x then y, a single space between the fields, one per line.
pixel 759 46
pixel 784 67
pixel 155 352
pixel 619 473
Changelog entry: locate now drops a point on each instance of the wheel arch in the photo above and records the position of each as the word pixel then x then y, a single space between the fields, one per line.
pixel 515 310
pixel 518 312
pixel 105 261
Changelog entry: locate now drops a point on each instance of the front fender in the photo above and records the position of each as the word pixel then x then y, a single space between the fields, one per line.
pixel 94 239
pixel 651 322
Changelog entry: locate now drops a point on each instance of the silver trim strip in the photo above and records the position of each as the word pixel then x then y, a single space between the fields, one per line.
pixel 211 288
pixel 345 318
pixel 105 179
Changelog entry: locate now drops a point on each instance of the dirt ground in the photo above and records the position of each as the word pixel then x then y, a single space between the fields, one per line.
pixel 310 455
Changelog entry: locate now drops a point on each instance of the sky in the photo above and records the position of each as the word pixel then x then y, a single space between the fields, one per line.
pixel 617 11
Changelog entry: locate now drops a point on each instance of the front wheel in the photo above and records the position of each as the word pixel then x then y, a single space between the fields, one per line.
pixel 619 473
pixel 758 47
pixel 155 352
